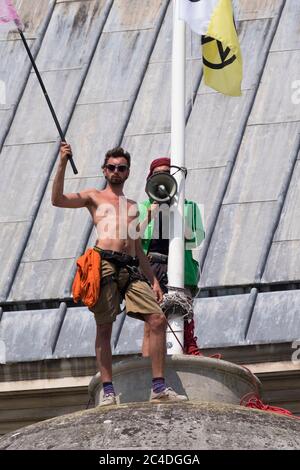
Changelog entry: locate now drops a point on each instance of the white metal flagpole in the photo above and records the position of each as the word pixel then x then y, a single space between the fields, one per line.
pixel 176 246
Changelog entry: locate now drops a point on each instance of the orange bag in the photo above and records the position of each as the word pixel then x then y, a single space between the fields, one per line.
pixel 86 284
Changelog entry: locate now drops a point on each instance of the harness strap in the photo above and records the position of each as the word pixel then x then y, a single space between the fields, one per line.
pixel 133 273
pixel 107 279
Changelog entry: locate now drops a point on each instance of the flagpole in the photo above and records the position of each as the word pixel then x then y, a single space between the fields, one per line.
pixel 62 136
pixel 176 246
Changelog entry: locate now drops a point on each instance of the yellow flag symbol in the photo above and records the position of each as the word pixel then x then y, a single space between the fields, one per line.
pixel 222 58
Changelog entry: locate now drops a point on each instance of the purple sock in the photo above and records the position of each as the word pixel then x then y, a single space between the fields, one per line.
pixel 158 384
pixel 108 388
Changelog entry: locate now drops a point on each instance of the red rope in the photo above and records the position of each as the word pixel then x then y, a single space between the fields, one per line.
pixel 190 341
pixel 251 400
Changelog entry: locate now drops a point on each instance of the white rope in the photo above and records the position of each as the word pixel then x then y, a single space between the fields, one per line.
pixel 176 302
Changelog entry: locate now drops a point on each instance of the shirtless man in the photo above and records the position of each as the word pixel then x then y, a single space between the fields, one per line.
pixel 121 253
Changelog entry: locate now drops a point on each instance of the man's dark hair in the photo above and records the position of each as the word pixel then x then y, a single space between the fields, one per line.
pixel 117 152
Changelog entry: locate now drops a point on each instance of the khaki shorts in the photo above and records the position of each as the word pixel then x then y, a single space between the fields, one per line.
pixel 139 297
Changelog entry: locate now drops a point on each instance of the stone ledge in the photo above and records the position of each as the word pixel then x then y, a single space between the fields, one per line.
pixel 189 425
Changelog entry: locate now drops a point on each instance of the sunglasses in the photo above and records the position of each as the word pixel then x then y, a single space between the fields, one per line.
pixel 120 168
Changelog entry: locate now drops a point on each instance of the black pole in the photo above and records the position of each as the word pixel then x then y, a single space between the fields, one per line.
pixel 62 136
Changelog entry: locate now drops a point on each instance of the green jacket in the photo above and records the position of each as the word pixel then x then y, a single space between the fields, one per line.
pixel 194 220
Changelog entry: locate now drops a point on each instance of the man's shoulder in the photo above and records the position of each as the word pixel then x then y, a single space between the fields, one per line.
pixel 90 193
pixel 95 196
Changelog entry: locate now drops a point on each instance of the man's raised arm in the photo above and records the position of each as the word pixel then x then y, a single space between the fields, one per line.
pixel 71 200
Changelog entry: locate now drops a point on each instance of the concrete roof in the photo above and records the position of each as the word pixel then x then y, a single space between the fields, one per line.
pixel 233 320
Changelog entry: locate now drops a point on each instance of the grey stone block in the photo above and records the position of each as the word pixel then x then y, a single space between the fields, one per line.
pixel 276 318
pixel 77 335
pixel 30 335
pixel 222 321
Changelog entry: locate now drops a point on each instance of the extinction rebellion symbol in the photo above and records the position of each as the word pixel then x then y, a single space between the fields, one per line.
pixel 223 53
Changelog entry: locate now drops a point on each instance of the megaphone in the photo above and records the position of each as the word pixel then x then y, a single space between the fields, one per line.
pixel 161 187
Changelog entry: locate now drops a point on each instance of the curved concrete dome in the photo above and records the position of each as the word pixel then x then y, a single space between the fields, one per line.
pixel 190 425
pixel 200 378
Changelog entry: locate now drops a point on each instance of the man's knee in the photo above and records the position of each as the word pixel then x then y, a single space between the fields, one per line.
pixel 156 322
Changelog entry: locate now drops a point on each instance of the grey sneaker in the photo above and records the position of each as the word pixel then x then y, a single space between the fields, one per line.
pixel 108 399
pixel 167 395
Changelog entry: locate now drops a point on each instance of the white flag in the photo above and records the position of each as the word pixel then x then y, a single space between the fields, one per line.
pixel 197 13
